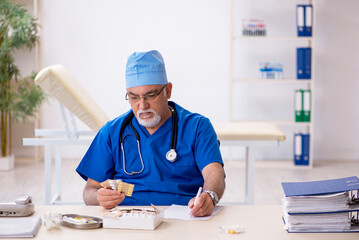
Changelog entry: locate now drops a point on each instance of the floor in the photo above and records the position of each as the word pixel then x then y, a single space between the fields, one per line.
pixel 28 178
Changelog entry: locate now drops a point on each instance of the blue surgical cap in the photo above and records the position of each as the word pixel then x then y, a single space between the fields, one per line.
pixel 145 68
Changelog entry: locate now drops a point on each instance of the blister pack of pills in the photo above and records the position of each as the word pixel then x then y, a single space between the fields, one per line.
pixel 119 185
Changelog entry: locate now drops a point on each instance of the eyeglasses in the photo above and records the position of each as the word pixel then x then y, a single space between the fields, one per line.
pixel 148 97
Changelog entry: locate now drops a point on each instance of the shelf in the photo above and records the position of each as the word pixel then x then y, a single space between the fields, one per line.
pixel 287 43
pixel 280 122
pixel 284 80
pixel 285 38
pixel 291 122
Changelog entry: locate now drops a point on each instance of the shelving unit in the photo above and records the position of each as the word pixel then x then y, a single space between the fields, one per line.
pixel 291 80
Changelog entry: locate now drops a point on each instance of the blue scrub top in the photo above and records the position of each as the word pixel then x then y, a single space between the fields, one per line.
pixel 161 182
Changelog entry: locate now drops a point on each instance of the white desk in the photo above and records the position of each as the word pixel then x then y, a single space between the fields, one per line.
pixel 260 222
pixel 250 135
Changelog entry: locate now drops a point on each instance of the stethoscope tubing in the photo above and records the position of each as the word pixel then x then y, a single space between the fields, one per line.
pixel 124 160
pixel 174 129
pixel 171 154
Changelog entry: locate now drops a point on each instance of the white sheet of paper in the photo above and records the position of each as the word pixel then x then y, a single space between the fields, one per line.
pixel 183 213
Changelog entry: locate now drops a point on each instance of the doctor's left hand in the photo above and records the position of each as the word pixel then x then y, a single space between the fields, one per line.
pixel 204 206
pixel 109 198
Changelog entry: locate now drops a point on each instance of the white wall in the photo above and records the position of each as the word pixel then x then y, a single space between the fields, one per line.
pixel 337 117
pixel 93 39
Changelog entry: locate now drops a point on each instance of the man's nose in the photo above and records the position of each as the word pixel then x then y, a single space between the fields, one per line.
pixel 143 103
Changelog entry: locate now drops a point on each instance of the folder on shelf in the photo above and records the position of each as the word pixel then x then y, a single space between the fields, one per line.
pixel 305 149
pixel 306 107
pixel 298 105
pixel 307 63
pixel 308 20
pixel 297 148
pixel 300 20
pixel 302 105
pixel 322 206
pixel 300 63
pixel 304 20
pixel 301 148
pixel 304 63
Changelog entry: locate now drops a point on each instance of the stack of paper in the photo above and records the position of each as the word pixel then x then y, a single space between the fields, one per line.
pixel 19 227
pixel 321 206
pixel 323 222
pixel 317 203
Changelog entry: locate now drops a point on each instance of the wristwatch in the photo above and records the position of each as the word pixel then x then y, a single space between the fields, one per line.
pixel 214 197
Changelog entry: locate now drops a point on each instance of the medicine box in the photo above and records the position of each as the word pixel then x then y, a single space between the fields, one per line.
pixel 133 218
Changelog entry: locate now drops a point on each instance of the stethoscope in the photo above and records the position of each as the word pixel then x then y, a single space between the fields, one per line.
pixel 171 155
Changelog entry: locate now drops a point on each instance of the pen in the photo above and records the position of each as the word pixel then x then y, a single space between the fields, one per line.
pixel 198 193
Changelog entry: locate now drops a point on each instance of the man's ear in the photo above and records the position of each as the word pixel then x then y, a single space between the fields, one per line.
pixel 168 90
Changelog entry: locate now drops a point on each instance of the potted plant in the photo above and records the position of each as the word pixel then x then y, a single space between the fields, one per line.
pixel 19 98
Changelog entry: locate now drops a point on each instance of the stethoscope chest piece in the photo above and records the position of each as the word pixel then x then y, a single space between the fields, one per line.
pixel 171 155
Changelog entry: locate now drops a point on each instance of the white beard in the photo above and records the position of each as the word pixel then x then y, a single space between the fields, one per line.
pixel 148 122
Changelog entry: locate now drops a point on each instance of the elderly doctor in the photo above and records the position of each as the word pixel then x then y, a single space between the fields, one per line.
pixel 162 148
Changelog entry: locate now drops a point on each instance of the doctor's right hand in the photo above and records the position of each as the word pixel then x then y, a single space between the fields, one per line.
pixel 109 198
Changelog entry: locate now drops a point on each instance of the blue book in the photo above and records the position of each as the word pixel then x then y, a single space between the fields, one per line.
pixel 305 149
pixel 304 20
pixel 320 187
pixel 308 20
pixel 307 63
pixel 300 20
pixel 297 149
pixel 301 149
pixel 300 63
pixel 304 63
